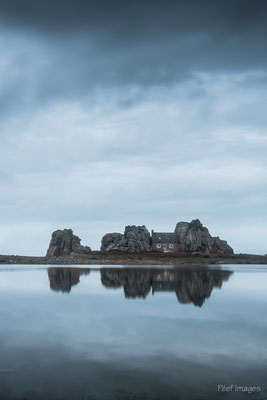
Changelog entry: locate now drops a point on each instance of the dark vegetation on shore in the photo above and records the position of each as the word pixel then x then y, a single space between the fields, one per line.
pixel 142 258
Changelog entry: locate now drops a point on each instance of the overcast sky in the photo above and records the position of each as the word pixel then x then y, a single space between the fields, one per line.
pixel 144 112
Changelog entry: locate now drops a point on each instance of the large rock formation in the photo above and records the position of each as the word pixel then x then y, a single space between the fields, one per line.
pixel 193 237
pixel 134 239
pixel 63 243
pixel 110 241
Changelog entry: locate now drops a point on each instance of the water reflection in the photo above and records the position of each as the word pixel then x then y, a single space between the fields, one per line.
pixel 90 343
pixel 190 285
pixel 62 279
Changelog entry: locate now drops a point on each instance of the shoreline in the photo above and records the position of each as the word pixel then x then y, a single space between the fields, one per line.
pixel 145 258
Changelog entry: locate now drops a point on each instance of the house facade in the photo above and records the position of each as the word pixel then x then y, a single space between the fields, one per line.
pixel 164 241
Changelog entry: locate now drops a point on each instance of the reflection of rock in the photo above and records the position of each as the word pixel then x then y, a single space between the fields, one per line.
pixel 136 282
pixel 194 237
pixel 190 285
pixel 134 239
pixel 63 243
pixel 196 286
pixel 62 279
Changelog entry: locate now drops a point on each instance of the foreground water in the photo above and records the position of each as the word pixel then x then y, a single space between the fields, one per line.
pixel 133 333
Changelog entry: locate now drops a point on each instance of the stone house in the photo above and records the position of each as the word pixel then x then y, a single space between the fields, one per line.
pixel 187 237
pixel 164 241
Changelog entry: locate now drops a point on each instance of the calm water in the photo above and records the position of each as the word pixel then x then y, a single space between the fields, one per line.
pixel 132 333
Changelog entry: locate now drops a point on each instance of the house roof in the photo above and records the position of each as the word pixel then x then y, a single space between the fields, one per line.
pixel 164 237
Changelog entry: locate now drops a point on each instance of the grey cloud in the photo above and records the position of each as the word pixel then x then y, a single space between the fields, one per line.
pixel 75 48
pixel 150 17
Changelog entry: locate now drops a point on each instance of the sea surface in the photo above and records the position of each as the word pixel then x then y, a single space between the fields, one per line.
pixel 132 333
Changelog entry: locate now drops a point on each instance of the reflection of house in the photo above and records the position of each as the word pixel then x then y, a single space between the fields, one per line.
pixel 164 241
pixel 164 281
pixel 189 285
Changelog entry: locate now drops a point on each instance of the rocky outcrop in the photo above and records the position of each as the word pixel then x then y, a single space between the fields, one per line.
pixel 193 237
pixel 63 243
pixel 221 246
pixel 190 237
pixel 134 239
pixel 111 241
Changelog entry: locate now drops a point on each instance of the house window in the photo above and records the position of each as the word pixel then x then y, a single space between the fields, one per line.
pixel 159 246
pixel 171 246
